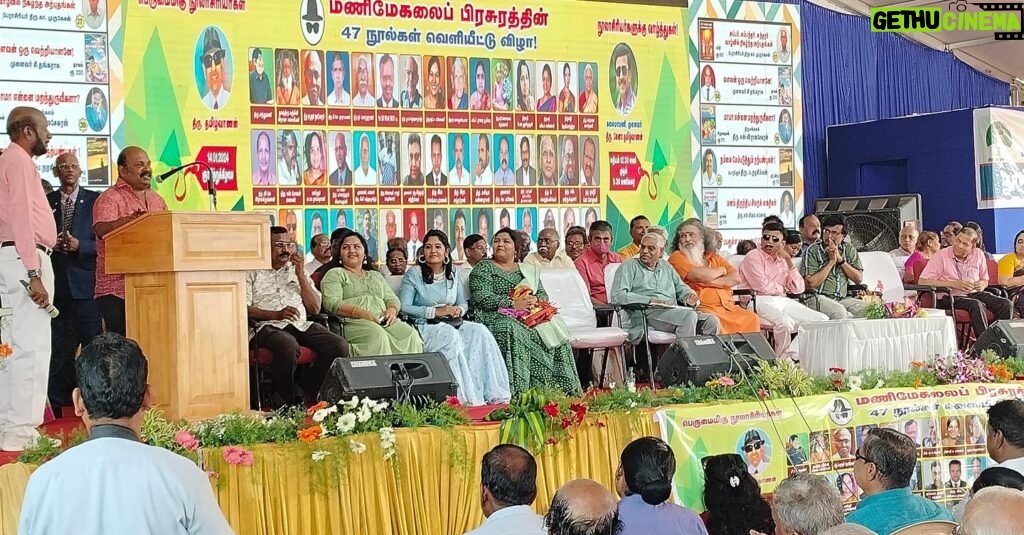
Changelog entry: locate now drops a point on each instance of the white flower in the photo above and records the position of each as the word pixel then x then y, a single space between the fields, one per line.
pixel 854 382
pixel 387 432
pixel 389 454
pixel 356 447
pixel 363 414
pixel 346 423
pixel 319 455
pixel 367 402
pixel 379 406
pixel 352 403
pixel 320 415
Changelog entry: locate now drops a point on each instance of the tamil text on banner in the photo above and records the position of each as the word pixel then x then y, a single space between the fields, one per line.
pixel 999 157
pixel 821 434
pixel 746 135
pixel 396 118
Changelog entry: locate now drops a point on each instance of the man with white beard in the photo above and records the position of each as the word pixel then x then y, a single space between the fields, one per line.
pixel 548 254
pixel 711 276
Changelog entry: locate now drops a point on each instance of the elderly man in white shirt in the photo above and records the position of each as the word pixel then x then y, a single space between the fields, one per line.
pixel 548 254
pixel 908 244
pixel 508 486
pixel 116 483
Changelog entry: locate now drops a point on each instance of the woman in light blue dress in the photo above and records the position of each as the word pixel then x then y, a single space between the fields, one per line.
pixel 438 307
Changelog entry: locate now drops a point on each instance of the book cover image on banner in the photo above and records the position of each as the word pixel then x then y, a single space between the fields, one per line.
pixel 821 434
pixel 745 102
pixel 999 157
pixel 446 109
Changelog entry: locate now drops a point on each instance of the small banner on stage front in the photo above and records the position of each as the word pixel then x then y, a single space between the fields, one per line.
pixel 999 157
pixel 821 434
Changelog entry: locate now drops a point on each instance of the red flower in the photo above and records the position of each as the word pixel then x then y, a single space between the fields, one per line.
pixel 599 423
pixel 314 408
pixel 551 440
pixel 453 401
pixel 592 393
pixel 837 370
pixel 838 383
pixel 566 422
pixel 580 410
pixel 763 393
pixel 551 410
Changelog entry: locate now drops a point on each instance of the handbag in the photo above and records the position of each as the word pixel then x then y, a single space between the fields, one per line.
pixel 451 297
pixel 549 326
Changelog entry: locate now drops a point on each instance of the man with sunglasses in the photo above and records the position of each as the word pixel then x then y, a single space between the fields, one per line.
pixel 624 64
pixel 830 266
pixel 883 467
pixel 770 272
pixel 753 451
pixel 28 234
pixel 212 61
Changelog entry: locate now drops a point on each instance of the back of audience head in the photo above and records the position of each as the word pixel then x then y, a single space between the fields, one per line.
pixel 886 461
pixel 998 476
pixel 993 511
pixel 111 373
pixel 1006 430
pixel 508 477
pixel 733 497
pixel 583 507
pixel 772 218
pixel 745 246
pixel 646 468
pixel 806 504
pixel 848 529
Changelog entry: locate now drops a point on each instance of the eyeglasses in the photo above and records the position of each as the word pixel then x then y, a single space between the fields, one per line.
pixel 284 245
pixel 621 70
pixel 857 455
pixel 773 239
pixel 68 166
pixel 752 447
pixel 214 58
pixel 545 240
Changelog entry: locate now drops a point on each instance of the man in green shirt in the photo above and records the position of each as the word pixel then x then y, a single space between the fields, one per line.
pixel 830 266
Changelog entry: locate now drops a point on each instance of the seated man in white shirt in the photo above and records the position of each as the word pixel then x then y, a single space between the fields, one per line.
pixel 116 483
pixel 548 254
pixel 508 478
pixel 908 244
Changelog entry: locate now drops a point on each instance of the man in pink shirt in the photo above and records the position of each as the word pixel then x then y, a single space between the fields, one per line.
pixel 130 198
pixel 28 233
pixel 963 269
pixel 769 271
pixel 592 262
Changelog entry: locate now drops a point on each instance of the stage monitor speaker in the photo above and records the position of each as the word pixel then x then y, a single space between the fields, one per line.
pixel 874 223
pixel 695 359
pixel 1005 337
pixel 416 378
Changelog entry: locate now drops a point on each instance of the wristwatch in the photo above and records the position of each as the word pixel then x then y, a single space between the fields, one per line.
pixel 34 274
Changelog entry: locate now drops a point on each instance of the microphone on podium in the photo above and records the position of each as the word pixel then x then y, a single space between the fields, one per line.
pixel 211 186
pixel 50 309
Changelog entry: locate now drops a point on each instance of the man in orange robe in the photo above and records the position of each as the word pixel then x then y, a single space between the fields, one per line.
pixel 711 276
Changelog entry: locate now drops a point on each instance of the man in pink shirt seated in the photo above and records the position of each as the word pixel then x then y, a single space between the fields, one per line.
pixel 963 269
pixel 592 262
pixel 770 272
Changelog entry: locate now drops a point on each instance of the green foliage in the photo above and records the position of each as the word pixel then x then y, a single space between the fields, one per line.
pixel 785 378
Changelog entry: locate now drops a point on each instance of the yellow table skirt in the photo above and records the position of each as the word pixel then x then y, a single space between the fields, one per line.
pixel 279 495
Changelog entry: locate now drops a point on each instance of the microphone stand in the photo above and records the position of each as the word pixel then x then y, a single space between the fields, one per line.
pixel 211 186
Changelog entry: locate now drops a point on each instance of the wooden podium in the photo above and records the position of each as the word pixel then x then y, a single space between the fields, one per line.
pixel 185 303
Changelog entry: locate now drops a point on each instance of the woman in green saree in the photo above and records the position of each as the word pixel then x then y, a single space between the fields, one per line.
pixel 531 362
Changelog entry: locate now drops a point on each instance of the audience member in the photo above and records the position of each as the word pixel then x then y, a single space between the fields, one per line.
pixel 717 240
pixel 575 242
pixel 745 246
pixel 981 238
pixel 848 529
pixel 583 506
pixel 548 255
pixel 996 476
pixel 733 498
pixel 770 272
pixel 361 295
pixel 963 269
pixel 810 231
pixel 523 245
pixel 711 276
pixel 772 218
pixel 278 301
pixel 130 198
pixel 663 232
pixel 396 261
pixel 884 464
pixel 927 245
pixel 116 483
pixel 74 278
pixel 335 260
pixel 320 248
pixel 637 229
pixel 508 485
pixel 535 356
pixel 994 511
pixel 598 255
pixel 644 482
pixel 793 243
pixel 1006 434
pixel 648 280
pixel 1011 273
pixel 476 249
pixel 806 504
pixel 949 232
pixel 829 267
pixel 908 245
pixel 434 294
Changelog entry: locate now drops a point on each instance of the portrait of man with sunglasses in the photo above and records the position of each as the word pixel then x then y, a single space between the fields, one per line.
pixel 755 452
pixel 624 67
pixel 216 70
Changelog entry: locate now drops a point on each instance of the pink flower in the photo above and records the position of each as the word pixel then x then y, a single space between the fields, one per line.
pixel 235 455
pixel 763 393
pixel 186 440
pixel 726 381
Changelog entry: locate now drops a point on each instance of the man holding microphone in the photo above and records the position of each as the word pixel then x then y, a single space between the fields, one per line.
pixel 27 235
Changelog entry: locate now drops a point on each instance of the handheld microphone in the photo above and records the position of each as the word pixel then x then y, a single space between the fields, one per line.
pixel 50 309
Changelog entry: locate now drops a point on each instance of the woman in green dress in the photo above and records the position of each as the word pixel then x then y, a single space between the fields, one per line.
pixel 359 293
pixel 531 363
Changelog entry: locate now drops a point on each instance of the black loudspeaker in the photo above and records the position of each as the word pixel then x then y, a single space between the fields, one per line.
pixel 695 359
pixel 416 378
pixel 1005 337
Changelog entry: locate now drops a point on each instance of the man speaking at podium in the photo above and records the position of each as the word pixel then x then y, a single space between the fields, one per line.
pixel 27 235
pixel 130 198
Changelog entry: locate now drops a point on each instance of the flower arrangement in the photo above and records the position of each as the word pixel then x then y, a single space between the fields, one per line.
pixel 879 309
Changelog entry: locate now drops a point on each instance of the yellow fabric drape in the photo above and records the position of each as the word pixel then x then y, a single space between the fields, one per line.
pixel 280 494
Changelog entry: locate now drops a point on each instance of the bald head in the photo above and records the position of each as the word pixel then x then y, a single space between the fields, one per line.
pixel 583 506
pixel 27 128
pixel 994 511
pixel 67 169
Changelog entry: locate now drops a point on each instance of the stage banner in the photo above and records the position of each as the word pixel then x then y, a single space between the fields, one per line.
pixel 999 157
pixel 745 100
pixel 821 434
pixel 396 118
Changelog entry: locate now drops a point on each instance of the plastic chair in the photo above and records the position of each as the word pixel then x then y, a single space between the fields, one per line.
pixel 650 336
pixel 964 332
